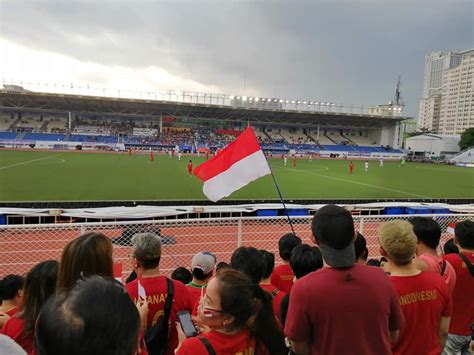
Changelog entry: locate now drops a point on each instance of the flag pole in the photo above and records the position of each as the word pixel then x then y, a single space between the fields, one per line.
pixel 281 199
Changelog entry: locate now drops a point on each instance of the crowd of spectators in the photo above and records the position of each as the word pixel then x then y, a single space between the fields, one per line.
pixel 325 298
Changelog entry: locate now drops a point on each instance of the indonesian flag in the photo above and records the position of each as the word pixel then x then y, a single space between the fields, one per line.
pixel 450 228
pixel 238 164
pixel 141 291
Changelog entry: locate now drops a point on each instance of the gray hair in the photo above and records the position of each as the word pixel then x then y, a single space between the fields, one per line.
pixel 146 246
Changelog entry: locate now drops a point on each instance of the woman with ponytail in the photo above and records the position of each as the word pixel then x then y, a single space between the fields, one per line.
pixel 238 317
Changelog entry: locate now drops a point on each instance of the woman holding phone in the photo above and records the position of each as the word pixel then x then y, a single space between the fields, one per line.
pixel 239 318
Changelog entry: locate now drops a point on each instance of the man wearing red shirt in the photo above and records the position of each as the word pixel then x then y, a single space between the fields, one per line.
pixel 146 254
pixel 277 295
pixel 351 167
pixel 202 268
pixel 282 276
pixel 463 299
pixel 428 234
pixel 344 307
pixel 424 296
pixel 152 157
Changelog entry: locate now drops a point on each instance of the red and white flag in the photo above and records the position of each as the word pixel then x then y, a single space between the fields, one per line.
pixel 238 164
pixel 450 228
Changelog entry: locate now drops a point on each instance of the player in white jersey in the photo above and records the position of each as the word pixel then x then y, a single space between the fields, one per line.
pixel 285 160
pixel 366 165
pixel 381 163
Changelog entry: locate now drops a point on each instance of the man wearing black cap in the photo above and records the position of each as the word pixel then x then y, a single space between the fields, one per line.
pixel 344 307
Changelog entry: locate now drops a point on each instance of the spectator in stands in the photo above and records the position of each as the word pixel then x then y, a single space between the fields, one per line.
pixel 202 267
pixel 146 256
pixel 304 259
pixel 428 233
pixel 463 301
pixel 276 294
pixel 40 283
pixel 282 276
pixel 319 320
pixel 89 254
pixel 11 295
pixel 96 317
pixel 240 318
pixel 361 251
pixel 424 296
pixel 450 247
pixel 249 261
pixel 181 274
pixel 221 265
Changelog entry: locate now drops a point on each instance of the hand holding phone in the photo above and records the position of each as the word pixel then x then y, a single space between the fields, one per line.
pixel 189 329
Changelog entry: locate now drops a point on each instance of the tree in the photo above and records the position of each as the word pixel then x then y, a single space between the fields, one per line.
pixel 467 139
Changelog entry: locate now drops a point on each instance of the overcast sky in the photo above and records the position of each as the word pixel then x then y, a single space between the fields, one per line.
pixel 344 51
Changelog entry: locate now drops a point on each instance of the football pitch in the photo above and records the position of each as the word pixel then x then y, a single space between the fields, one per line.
pixel 79 176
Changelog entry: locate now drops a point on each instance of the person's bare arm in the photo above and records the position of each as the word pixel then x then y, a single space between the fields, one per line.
pixel 394 336
pixel 300 347
pixel 443 330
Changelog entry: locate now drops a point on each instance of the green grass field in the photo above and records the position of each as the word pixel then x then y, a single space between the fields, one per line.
pixel 55 176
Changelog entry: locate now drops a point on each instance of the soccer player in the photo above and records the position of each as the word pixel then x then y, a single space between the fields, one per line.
pixel 402 162
pixel 351 167
pixel 285 160
pixel 152 157
pixel 207 154
pixel 310 157
pixel 381 163
pixel 190 167
pixel 129 151
pixel 179 155
pixel 366 165
pixel 294 161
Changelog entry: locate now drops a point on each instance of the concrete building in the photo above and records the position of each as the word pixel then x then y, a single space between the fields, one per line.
pixel 457 99
pixel 433 145
pixel 436 66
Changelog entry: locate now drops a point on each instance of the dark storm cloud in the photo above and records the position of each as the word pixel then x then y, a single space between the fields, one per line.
pixel 342 51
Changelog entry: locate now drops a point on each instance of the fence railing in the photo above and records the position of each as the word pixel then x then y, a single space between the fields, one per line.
pixel 22 246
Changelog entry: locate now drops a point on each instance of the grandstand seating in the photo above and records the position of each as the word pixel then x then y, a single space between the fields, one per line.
pixel 8 135
pixel 43 137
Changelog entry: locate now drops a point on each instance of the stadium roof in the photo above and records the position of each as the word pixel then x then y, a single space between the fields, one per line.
pixel 49 102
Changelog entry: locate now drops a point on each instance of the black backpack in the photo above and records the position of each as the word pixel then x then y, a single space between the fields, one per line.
pixel 156 337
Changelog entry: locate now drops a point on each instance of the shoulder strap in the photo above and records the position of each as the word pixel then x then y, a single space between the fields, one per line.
pixel 169 301
pixel 275 292
pixel 470 267
pixel 208 345
pixel 443 267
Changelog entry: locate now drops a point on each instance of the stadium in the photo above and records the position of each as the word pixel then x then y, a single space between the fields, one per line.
pixel 71 162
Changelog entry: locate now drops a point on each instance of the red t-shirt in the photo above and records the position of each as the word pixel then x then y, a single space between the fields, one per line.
pixel 223 344
pixel 341 311
pixel 14 329
pixel 435 264
pixel 194 295
pixel 463 299
pixel 13 311
pixel 156 290
pixel 277 296
pixel 424 299
pixel 282 277
pixel 190 167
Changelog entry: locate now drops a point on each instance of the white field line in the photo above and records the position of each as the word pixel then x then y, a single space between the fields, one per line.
pixel 355 182
pixel 28 161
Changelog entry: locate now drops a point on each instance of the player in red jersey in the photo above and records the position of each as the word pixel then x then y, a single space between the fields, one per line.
pixel 351 167
pixel 152 157
pixel 190 167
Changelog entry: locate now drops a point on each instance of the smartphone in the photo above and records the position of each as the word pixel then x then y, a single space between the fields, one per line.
pixel 187 324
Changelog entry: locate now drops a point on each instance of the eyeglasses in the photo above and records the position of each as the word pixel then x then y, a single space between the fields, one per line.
pixel 206 310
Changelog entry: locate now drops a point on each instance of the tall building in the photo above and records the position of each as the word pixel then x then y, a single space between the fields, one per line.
pixel 436 66
pixel 457 98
